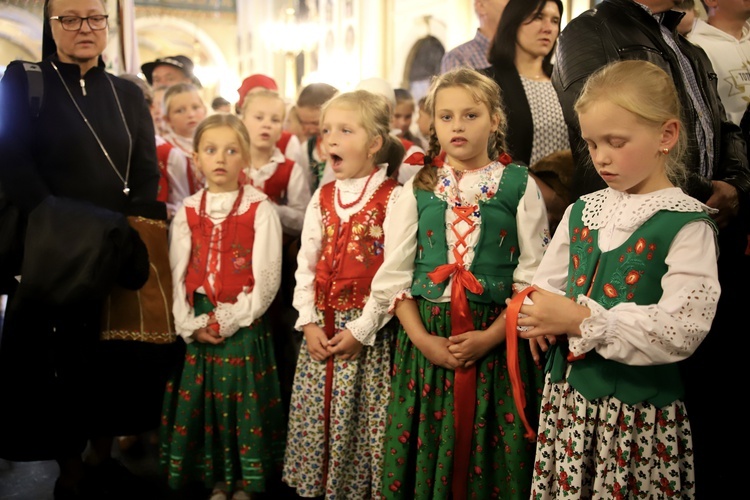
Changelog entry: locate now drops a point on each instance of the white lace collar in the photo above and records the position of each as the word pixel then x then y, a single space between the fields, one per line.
pixel 629 211
pixel 355 186
pixel 219 204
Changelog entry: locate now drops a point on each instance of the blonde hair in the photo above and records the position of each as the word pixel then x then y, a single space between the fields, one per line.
pixel 484 90
pixel 224 120
pixel 268 94
pixel 647 91
pixel 177 89
pixel 375 118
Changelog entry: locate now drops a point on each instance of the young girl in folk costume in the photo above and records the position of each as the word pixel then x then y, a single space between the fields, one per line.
pixel 468 228
pixel 639 261
pixel 183 111
pixel 340 393
pixel 223 421
pixel 284 181
pixel 287 185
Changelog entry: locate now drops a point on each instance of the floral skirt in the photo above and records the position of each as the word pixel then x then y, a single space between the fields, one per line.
pixel 222 417
pixel 420 436
pixel 607 449
pixel 358 402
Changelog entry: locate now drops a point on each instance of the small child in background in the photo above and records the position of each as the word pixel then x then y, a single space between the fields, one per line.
pixel 221 105
pixel 337 415
pixel 693 10
pixel 403 114
pixel 223 423
pixel 282 179
pixel 286 184
pixel 468 228
pixel 288 143
pixel 424 121
pixel 183 111
pixel 309 103
pixel 630 285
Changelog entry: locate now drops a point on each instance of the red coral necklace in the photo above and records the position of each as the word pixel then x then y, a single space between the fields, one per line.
pixel 361 195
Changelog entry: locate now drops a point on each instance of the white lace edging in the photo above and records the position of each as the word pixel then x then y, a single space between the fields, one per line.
pixel 404 294
pixel 593 328
pixel 224 314
pixel 250 195
pixel 187 327
pixel 631 211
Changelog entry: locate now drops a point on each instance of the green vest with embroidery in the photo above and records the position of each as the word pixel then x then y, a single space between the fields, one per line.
pixel 631 272
pixel 496 252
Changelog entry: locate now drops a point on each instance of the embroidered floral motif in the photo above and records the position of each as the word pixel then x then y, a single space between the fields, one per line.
pixel 241 257
pixel 503 234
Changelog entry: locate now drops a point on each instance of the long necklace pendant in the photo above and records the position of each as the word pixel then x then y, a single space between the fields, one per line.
pixel 126 190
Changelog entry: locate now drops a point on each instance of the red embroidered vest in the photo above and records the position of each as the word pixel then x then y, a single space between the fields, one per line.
pixel 162 154
pixel 227 246
pixel 283 141
pixel 276 186
pixel 351 252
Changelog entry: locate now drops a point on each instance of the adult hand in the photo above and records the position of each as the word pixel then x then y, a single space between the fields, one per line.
pixel 726 199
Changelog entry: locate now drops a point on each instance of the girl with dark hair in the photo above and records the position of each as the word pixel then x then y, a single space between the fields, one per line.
pixel 521 63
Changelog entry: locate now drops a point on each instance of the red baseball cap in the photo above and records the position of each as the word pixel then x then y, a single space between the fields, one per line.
pixel 255 81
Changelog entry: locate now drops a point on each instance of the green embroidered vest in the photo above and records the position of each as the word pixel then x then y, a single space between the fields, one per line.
pixel 496 252
pixel 631 272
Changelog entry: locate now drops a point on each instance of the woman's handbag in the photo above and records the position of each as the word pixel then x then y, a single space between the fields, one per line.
pixel 144 315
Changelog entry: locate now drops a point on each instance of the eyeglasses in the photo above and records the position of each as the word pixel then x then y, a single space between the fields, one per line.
pixel 74 23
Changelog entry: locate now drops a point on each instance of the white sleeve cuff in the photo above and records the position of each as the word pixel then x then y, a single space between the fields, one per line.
pixel 224 314
pixel 404 294
pixel 594 329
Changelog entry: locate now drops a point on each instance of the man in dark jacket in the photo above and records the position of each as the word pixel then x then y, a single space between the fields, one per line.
pixel 718 176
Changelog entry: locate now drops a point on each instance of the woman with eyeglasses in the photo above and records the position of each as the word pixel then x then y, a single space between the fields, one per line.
pixel 80 164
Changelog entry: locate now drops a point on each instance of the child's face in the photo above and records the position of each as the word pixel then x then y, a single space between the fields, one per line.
pixel 423 122
pixel 156 110
pixel 219 157
pixel 185 112
pixel 347 144
pixel 309 119
pixel 686 23
pixel 463 128
pixel 264 117
pixel 626 152
pixel 402 117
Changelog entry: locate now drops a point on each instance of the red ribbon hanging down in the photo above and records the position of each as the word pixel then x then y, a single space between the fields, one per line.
pixel 323 282
pixel 514 368
pixel 465 379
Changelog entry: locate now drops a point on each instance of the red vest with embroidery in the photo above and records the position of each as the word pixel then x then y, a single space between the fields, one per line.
pixel 283 141
pixel 228 246
pixel 276 186
pixel 351 252
pixel 162 154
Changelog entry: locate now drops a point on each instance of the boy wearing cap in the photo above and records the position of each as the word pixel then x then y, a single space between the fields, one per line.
pixel 167 71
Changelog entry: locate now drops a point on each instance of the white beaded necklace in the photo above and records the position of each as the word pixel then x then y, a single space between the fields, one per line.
pixel 125 188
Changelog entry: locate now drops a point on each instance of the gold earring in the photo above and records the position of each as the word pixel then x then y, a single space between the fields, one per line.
pixel 369 155
pixel 665 151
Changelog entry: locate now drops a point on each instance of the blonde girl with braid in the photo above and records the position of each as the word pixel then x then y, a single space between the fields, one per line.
pixel 471 224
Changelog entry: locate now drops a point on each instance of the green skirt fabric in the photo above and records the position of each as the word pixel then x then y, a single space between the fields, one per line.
pixel 420 430
pixel 222 416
